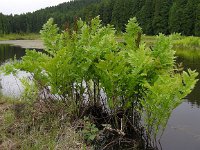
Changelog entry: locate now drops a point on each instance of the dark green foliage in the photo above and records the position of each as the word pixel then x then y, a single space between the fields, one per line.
pixel 161 15
pixel 122 11
pixel 197 22
pixel 146 17
pixel 154 16
pixel 188 22
pixel 175 15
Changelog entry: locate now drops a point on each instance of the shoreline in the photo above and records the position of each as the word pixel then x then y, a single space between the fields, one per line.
pixel 37 44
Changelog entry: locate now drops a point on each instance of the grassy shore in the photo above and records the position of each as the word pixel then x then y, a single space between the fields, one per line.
pixel 179 42
pixel 190 43
pixel 33 126
pixel 29 36
pixel 188 53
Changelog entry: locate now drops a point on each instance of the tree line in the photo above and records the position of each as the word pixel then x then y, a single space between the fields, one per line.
pixel 154 16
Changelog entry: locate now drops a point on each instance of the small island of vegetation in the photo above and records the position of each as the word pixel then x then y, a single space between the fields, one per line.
pixel 115 93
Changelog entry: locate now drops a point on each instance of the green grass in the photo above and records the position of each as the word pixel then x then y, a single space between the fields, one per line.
pixel 190 43
pixel 28 36
pixel 179 42
pixel 149 40
pixel 188 53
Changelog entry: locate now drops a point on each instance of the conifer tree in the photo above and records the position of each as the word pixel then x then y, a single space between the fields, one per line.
pixel 161 15
pixel 197 22
pixel 174 19
pixel 146 15
pixel 187 18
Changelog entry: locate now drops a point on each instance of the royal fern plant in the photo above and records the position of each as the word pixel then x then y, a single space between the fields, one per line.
pixel 80 66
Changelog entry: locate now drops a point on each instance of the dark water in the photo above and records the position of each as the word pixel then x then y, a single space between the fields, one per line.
pixel 183 129
pixel 7 52
pixel 11 85
pixel 192 61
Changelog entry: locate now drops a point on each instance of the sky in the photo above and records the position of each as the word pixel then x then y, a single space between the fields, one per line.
pixel 8 7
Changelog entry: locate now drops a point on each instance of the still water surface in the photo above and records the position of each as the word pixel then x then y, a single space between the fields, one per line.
pixel 183 129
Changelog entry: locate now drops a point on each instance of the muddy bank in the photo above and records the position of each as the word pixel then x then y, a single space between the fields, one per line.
pixel 25 43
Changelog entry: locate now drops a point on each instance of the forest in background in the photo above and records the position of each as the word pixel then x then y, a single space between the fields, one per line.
pixel 154 16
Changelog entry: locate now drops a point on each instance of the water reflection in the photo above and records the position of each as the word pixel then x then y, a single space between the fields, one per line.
pixel 9 52
pixel 183 132
pixel 191 60
pixel 10 85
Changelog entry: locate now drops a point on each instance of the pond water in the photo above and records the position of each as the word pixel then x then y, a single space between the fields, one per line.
pixel 10 85
pixel 7 52
pixel 183 129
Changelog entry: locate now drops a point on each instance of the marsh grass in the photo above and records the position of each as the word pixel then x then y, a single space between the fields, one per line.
pixel 149 40
pixel 179 42
pixel 190 43
pixel 34 126
pixel 188 53
pixel 21 36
